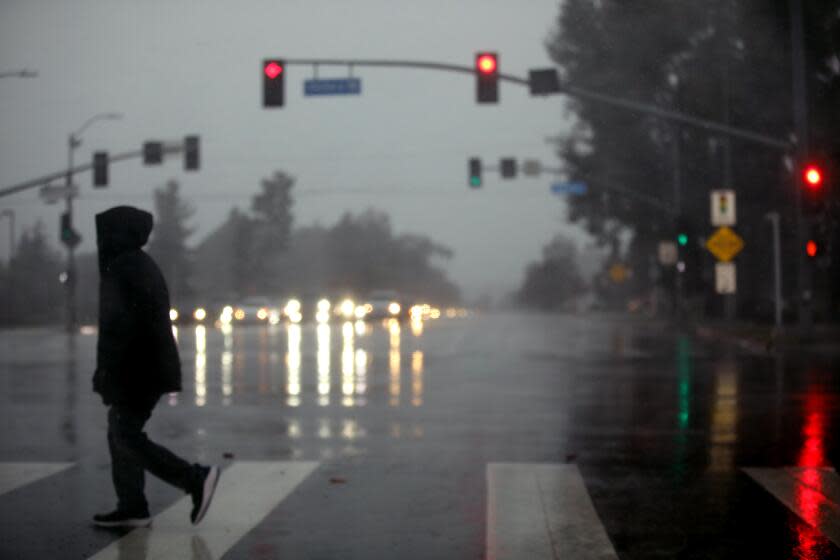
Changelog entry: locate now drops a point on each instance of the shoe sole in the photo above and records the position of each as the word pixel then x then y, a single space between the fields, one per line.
pixel 126 523
pixel 209 489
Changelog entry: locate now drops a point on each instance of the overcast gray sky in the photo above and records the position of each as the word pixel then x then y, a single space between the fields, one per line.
pixel 177 67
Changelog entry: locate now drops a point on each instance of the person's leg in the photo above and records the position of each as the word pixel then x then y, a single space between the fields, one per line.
pixel 148 455
pixel 133 452
pixel 126 471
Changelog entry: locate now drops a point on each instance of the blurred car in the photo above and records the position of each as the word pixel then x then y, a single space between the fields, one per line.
pixel 384 304
pixel 253 310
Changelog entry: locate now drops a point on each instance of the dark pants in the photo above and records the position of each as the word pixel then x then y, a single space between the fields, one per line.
pixel 133 453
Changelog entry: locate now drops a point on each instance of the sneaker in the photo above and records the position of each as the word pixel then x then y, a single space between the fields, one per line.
pixel 203 494
pixel 121 519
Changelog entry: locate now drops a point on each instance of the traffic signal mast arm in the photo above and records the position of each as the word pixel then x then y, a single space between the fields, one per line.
pixel 640 197
pixel 571 90
pixel 41 181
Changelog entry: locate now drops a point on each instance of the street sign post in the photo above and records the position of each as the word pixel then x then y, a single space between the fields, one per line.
pixel 722 208
pixel 724 244
pixel 725 278
pixel 574 188
pixel 337 86
pixel 667 253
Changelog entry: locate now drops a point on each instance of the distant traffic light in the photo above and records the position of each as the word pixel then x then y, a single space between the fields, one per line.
pixel 152 153
pixel 487 77
pixel 813 177
pixel 682 239
pixel 100 169
pixel 813 185
pixel 475 172
pixel 67 234
pixel 191 153
pixel 274 78
pixel 66 228
pixel 507 166
pixel 812 248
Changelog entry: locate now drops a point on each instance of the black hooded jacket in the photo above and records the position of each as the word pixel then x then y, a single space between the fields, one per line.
pixel 137 360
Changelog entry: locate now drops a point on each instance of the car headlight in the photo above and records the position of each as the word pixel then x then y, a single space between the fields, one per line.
pixel 348 308
pixel 394 308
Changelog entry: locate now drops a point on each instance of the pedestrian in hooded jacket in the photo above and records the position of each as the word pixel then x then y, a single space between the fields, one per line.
pixel 137 362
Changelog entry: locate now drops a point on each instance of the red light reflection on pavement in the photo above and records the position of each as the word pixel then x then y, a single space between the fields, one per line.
pixel 810 497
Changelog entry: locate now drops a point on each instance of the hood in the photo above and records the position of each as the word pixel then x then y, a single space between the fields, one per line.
pixel 121 229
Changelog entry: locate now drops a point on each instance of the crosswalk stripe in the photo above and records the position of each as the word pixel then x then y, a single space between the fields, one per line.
pixel 539 511
pixel 247 492
pixel 15 475
pixel 811 493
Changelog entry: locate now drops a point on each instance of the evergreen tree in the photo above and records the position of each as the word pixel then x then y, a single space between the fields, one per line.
pixel 168 245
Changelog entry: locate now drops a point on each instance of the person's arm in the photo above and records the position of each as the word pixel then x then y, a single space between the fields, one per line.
pixel 116 329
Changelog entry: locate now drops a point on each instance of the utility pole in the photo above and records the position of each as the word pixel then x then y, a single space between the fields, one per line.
pixel 777 267
pixel 800 118
pixel 70 283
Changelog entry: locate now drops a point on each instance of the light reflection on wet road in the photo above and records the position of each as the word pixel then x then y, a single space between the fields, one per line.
pixel 659 424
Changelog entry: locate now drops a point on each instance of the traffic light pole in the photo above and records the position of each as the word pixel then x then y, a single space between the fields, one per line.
pixel 70 279
pixel 800 117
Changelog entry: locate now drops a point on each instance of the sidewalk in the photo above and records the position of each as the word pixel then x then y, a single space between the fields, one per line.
pixel 824 339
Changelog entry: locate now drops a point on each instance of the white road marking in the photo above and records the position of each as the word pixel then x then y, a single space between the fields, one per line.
pixel 247 492
pixel 15 475
pixel 539 511
pixel 811 493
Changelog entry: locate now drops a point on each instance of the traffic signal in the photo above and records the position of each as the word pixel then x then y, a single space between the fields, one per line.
pixel 191 153
pixel 152 153
pixel 812 248
pixel 813 180
pixel 66 228
pixel 67 234
pixel 274 78
pixel 812 175
pixel 682 239
pixel 100 169
pixel 475 172
pixel 507 166
pixel 487 77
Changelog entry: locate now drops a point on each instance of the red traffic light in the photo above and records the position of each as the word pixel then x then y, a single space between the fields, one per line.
pixel 813 176
pixel 811 248
pixel 272 70
pixel 486 63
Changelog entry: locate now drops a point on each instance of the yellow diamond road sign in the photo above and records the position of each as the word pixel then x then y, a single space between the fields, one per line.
pixel 725 244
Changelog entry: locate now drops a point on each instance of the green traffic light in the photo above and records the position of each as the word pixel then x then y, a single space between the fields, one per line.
pixel 475 181
pixel 682 239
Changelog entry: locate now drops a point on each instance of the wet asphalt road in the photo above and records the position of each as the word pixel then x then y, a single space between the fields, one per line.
pixel 395 429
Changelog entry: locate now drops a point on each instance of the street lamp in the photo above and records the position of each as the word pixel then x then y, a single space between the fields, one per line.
pixel 74 140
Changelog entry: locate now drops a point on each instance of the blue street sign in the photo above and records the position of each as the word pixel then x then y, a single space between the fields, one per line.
pixel 340 86
pixel 575 188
